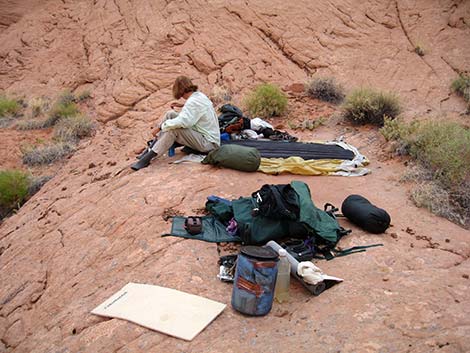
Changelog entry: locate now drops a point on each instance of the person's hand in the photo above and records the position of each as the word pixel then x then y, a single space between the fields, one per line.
pixel 155 131
pixel 174 105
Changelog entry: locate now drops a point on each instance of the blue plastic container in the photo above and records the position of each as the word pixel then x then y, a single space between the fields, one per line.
pixel 255 279
pixel 225 136
pixel 171 151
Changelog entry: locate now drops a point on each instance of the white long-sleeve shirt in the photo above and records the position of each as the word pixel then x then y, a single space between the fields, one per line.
pixel 199 115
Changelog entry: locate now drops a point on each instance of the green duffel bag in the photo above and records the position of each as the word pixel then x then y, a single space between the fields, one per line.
pixel 246 159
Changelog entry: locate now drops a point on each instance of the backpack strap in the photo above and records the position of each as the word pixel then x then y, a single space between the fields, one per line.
pixel 330 254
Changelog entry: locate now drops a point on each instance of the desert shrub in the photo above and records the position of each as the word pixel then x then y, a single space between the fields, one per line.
pixel 8 107
pixel 14 186
pixel 438 199
pixel 367 106
pixel 83 96
pixel 66 98
pixel 73 128
pixel 30 124
pixel 325 89
pixel 265 101
pixel 47 154
pixel 443 150
pixel 61 110
pixel 38 106
pixel 64 107
pixel 462 87
pixel 6 122
pixel 37 183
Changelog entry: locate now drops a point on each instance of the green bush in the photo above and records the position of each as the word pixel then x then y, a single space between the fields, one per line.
pixel 443 149
pixel 73 128
pixel 462 87
pixel 61 110
pixel 47 154
pixel 325 89
pixel 367 106
pixel 265 101
pixel 8 107
pixel 14 186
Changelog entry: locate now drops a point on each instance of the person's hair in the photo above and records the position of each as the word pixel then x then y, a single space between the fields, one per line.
pixel 183 85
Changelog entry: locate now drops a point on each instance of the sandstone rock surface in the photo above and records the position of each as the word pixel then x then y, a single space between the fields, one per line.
pixel 96 226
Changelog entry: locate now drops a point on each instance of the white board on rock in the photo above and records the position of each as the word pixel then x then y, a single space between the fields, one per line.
pixel 166 310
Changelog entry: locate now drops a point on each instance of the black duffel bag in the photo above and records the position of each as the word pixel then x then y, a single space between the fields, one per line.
pixel 362 213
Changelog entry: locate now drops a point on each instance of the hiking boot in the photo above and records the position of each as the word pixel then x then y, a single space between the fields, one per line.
pixel 144 152
pixel 150 144
pixel 144 161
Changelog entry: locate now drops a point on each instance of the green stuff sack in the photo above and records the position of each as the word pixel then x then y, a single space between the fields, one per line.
pixel 246 159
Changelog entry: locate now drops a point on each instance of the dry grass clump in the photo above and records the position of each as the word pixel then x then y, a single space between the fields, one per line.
pixel 14 186
pixel 83 96
pixel 47 154
pixel 325 89
pixel 367 106
pixel 265 101
pixel 74 128
pixel 37 183
pixel 30 124
pixel 442 149
pixel 307 124
pixel 38 106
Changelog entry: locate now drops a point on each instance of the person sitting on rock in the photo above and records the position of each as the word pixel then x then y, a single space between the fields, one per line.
pixel 196 126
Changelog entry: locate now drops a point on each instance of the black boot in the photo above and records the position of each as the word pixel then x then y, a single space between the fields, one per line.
pixel 144 161
pixel 149 146
pixel 144 152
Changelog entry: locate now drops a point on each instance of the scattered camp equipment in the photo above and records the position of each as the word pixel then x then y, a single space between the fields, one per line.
pixel 255 279
pixel 364 214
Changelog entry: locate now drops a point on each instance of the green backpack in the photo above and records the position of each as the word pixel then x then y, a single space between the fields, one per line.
pixel 311 221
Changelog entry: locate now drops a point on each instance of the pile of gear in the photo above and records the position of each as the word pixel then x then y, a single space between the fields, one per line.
pixel 234 125
pixel 282 216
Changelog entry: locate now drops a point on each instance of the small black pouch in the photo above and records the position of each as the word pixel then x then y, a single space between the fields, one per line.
pixel 364 214
pixel 193 225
